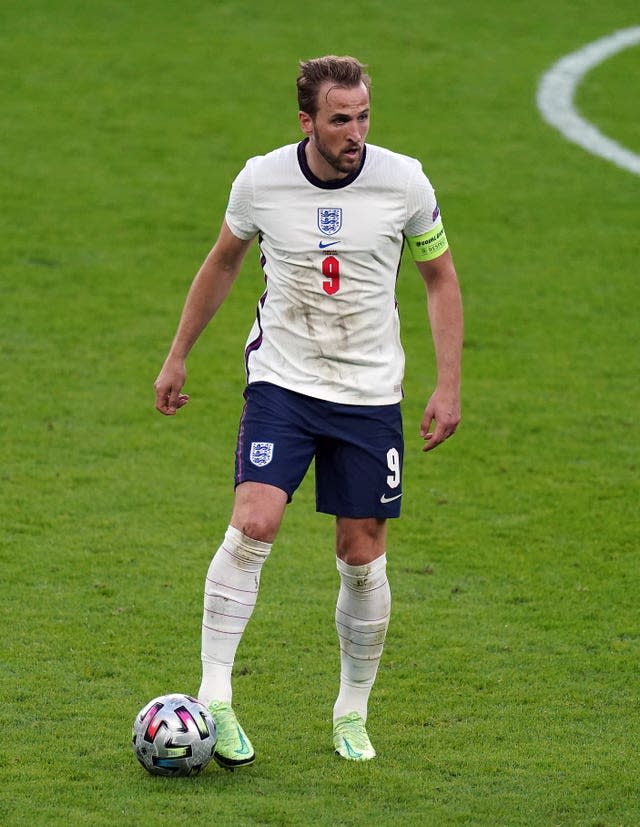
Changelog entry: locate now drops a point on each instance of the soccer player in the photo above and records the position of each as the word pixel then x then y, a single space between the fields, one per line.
pixel 324 369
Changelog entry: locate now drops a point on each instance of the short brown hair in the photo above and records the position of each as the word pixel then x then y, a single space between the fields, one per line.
pixel 346 72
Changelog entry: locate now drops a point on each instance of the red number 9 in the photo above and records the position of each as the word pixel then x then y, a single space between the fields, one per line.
pixel 331 271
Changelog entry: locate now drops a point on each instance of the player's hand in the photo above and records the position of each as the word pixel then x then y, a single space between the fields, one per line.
pixel 168 387
pixel 443 414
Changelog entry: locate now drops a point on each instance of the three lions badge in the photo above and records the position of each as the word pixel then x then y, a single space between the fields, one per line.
pixel 261 453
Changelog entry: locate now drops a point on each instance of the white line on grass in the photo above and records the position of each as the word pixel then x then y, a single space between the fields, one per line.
pixel 557 88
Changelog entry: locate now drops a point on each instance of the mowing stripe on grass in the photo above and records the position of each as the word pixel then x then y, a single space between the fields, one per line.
pixel 557 89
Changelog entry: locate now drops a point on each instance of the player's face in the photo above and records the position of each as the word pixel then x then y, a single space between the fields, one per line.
pixel 338 130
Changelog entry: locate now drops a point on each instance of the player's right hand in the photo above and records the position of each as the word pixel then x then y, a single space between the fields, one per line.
pixel 168 387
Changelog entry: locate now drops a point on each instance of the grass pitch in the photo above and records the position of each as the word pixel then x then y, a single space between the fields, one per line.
pixel 508 689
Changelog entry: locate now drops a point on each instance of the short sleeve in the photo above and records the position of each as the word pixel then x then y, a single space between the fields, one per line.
pixel 422 207
pixel 239 213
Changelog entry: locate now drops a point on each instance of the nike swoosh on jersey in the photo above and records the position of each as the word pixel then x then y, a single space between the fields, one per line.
pixel 324 244
pixel 385 499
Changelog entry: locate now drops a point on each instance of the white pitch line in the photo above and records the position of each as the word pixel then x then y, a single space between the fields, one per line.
pixel 557 89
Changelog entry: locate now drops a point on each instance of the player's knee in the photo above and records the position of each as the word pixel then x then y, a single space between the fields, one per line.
pixel 258 511
pixel 360 556
pixel 260 527
pixel 359 542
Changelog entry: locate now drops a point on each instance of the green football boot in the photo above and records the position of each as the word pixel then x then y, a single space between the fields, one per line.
pixel 351 740
pixel 233 748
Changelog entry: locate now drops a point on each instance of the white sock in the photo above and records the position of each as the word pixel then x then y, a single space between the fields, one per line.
pixel 230 596
pixel 362 618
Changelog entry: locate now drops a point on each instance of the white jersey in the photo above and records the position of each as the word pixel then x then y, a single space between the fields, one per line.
pixel 327 324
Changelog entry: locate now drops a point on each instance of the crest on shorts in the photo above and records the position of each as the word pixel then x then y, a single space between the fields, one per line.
pixel 261 453
pixel 329 220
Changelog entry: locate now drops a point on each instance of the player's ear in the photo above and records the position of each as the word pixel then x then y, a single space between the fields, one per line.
pixel 306 122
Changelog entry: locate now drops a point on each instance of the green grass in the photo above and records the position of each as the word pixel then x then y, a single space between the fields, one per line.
pixel 508 690
pixel 609 97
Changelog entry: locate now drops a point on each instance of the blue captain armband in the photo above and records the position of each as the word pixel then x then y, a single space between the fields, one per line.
pixel 428 245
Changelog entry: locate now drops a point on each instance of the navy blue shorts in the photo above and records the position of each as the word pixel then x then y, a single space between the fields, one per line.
pixel 358 450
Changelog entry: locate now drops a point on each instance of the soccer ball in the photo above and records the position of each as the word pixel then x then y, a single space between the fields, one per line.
pixel 174 735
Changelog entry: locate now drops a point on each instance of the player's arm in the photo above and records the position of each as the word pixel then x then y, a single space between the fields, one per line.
pixel 208 290
pixel 446 319
pixel 433 260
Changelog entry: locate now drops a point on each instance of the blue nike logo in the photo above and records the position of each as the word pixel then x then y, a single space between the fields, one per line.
pixel 244 747
pixel 324 244
pixel 351 751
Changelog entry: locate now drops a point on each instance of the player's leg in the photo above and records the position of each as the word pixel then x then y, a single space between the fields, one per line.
pixel 362 618
pixel 270 463
pixel 359 480
pixel 230 594
pixel 359 541
pixel 232 582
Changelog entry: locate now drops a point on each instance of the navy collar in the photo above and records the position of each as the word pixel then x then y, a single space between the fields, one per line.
pixel 336 183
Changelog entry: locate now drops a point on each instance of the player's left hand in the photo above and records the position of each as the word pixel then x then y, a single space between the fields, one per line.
pixel 443 413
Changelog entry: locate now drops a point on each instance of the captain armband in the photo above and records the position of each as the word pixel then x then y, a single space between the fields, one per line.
pixel 428 245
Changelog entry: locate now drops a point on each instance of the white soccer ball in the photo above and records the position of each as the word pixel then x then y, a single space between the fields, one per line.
pixel 174 735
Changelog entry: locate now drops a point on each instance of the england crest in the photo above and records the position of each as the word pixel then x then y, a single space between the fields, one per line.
pixel 261 453
pixel 329 220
